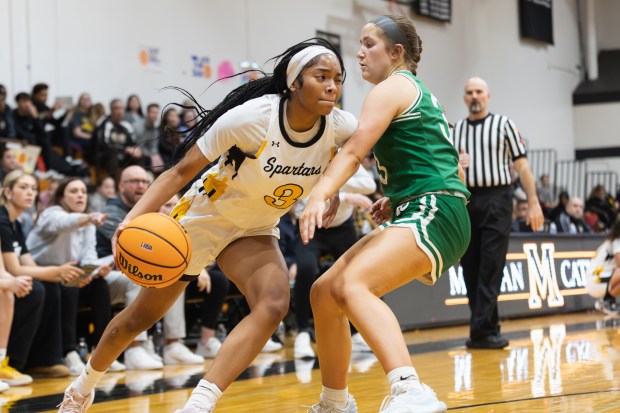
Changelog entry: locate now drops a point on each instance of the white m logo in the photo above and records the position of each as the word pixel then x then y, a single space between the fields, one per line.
pixel 543 281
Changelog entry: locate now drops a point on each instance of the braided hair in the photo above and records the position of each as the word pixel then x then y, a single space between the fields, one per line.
pixel 269 84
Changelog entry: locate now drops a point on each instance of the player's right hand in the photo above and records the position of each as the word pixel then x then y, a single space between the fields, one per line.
pixel 311 218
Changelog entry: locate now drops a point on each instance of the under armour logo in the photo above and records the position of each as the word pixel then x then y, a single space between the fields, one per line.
pixel 274 143
pixel 401 208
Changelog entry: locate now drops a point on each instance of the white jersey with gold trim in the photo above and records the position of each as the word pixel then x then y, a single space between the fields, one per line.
pixel 264 166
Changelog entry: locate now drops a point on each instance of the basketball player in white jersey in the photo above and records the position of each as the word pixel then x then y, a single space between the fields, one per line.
pixel 274 137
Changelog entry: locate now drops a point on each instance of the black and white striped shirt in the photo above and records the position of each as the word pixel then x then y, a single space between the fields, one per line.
pixel 491 143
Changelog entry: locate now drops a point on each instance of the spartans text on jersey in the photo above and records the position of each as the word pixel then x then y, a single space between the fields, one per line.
pixel 301 170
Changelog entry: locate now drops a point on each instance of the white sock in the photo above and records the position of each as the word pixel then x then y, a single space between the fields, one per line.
pixel 2 354
pixel 403 378
pixel 87 381
pixel 335 397
pixel 205 394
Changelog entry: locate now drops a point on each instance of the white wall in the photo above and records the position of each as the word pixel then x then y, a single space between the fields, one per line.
pixel 94 45
pixel 595 125
pixel 607 18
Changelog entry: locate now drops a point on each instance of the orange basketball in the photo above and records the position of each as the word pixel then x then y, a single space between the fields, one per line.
pixel 153 250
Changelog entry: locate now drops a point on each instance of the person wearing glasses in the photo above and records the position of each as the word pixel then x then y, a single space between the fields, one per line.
pixel 133 183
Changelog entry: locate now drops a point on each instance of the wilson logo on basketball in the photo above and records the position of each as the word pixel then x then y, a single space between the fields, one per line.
pixel 135 271
pixel 146 246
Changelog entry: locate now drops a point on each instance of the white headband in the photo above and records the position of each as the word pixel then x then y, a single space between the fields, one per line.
pixel 301 59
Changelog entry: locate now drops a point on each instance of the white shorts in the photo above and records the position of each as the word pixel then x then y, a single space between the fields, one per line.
pixel 210 233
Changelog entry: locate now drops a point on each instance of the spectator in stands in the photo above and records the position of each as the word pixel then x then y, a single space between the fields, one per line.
pixel 20 300
pixel 46 358
pixel 7 123
pixel 96 114
pixel 188 117
pixel 602 204
pixel 134 180
pixel 571 220
pixel 80 125
pixel 148 138
pixel 53 125
pixel 519 223
pixel 214 286
pixel 64 232
pixel 106 189
pixel 288 233
pixel 170 135
pixel 27 124
pixel 114 142
pixel 560 207
pixel 134 115
pixel 8 161
pixel 545 194
pixel 370 164
pixel 46 196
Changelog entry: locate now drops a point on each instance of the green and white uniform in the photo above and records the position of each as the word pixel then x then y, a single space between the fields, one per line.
pixel 418 168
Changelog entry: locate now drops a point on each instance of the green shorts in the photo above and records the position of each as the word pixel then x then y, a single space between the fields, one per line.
pixel 440 225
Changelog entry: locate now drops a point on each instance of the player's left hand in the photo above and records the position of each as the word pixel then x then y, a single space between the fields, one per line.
pixel 311 218
pixel 381 210
pixel 535 218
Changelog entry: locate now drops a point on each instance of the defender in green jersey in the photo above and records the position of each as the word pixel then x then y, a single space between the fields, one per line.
pixel 415 154
pixel 425 227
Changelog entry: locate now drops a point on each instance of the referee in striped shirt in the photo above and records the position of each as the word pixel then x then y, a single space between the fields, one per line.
pixel 487 143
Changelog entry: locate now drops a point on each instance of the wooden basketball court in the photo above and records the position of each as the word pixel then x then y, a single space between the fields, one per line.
pixel 567 363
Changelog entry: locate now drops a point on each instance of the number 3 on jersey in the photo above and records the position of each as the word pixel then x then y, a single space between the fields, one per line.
pixel 382 172
pixel 285 196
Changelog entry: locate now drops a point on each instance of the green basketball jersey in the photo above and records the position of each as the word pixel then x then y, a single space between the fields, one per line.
pixel 415 155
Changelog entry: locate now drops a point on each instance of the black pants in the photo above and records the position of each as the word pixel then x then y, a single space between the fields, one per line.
pixel 35 339
pixel 210 308
pixel 27 315
pixel 95 296
pixel 335 241
pixel 490 211
pixel 69 307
